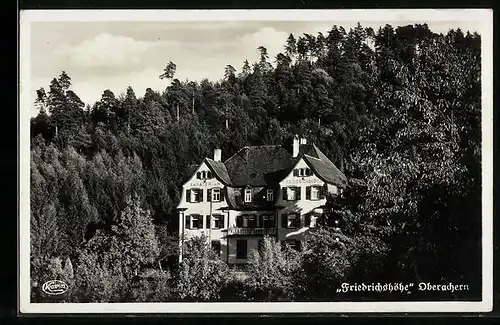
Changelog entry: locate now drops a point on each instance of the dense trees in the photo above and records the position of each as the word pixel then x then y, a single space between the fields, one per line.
pixel 397 109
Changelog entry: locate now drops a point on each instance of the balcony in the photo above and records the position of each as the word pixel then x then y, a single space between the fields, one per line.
pixel 232 231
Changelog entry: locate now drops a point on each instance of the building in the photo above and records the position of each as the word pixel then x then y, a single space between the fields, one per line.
pixel 260 190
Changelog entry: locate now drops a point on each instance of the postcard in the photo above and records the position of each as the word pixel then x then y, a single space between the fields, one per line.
pixel 255 161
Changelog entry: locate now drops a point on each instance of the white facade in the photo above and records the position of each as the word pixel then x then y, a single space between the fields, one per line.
pixel 297 203
pixel 202 210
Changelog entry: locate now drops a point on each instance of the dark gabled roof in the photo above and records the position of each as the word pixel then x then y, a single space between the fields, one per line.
pixel 309 149
pixel 327 171
pixel 266 166
pixel 259 165
pixel 220 170
pixel 262 168
pixel 235 200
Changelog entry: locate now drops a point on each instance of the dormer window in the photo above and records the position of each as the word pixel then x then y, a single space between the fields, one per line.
pixel 270 195
pixel 248 195
pixel 302 172
pixel 204 174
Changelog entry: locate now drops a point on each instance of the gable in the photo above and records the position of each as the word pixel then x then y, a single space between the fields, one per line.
pixel 195 182
pixel 293 179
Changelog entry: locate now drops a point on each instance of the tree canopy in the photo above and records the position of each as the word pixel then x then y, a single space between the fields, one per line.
pixel 397 109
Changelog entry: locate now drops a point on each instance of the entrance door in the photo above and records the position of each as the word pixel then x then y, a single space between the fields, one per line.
pixel 241 249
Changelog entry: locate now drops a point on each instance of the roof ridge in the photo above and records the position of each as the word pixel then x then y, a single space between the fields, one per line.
pixel 248 147
pixel 308 156
pixel 225 161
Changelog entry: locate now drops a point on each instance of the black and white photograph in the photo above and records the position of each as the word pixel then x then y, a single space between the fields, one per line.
pixel 273 161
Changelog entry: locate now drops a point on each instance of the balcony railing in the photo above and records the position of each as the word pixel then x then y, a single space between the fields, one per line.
pixel 251 231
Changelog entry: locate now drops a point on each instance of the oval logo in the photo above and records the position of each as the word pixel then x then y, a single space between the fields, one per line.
pixel 54 287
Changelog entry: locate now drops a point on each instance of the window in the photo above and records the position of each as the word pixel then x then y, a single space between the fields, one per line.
pixel 198 175
pixel 301 172
pixel 270 195
pixel 291 193
pixel 196 195
pixel 196 221
pixel 241 249
pixel 216 246
pixel 209 175
pixel 252 221
pixel 218 222
pixel 203 174
pixel 248 195
pixel 207 222
pixel 246 221
pixel 290 221
pixel 314 193
pixel 216 194
pixel 267 221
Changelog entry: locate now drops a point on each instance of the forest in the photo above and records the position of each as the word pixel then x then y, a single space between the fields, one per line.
pixel 398 109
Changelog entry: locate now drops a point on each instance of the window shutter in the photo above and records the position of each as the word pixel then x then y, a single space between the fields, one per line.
pixel 285 194
pixel 201 191
pixel 188 195
pixel 322 191
pixel 222 194
pixel 284 218
pixel 298 189
pixel 188 222
pixel 295 172
pixel 223 224
pixel 307 220
pixel 239 221
pixel 207 222
pixel 308 193
pixel 209 195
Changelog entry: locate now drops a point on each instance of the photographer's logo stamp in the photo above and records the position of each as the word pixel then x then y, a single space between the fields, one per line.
pixel 54 287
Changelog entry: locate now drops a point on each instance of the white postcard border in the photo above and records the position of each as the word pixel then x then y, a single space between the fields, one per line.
pixel 483 16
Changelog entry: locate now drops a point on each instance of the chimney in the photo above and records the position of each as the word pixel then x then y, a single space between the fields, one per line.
pixel 217 154
pixel 296 146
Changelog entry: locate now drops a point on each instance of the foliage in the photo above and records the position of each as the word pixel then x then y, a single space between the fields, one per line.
pixel 201 275
pixel 111 260
pixel 272 270
pixel 397 109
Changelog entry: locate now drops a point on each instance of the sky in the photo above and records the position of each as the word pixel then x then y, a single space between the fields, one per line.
pixel 114 55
